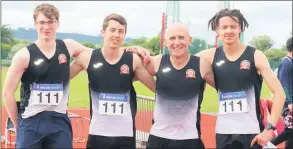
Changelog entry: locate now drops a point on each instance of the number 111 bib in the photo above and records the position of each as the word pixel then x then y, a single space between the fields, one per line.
pixel 232 102
pixel 46 94
pixel 113 104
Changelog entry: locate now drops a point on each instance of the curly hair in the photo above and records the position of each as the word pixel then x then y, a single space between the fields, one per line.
pixel 214 21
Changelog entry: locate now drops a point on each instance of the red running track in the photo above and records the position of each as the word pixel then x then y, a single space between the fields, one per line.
pixel 143 123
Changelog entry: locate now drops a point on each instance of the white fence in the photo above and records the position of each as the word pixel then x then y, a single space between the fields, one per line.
pixel 145 107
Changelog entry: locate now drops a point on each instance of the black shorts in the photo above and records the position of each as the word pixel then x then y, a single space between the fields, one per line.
pixel 236 141
pixel 104 142
pixel 155 142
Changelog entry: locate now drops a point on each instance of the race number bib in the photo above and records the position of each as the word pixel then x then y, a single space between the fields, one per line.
pixel 233 102
pixel 47 94
pixel 113 104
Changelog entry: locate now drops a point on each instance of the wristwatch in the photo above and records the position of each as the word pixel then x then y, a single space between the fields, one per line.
pixel 269 126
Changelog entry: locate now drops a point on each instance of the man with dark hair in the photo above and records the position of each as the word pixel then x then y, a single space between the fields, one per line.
pixel 112 96
pixel 238 71
pixel 285 77
pixel 43 69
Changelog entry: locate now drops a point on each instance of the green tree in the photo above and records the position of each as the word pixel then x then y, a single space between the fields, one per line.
pixel 197 45
pixel 89 44
pixel 98 46
pixel 6 35
pixel 275 54
pixel 284 47
pixel 138 41
pixel 17 41
pixel 5 50
pixel 210 46
pixel 262 42
pixel 126 44
pixel 154 45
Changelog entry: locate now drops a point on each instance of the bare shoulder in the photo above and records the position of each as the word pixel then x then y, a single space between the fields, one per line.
pixel 136 58
pixel 75 48
pixel 71 44
pixel 157 61
pixel 203 60
pixel 158 57
pixel 259 54
pixel 204 64
pixel 22 56
pixel 261 61
pixel 208 54
pixel 85 55
pixel 69 41
pixel 20 60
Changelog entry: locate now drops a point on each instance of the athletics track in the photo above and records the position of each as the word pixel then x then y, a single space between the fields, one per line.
pixel 143 124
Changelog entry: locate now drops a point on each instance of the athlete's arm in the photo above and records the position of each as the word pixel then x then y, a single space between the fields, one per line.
pixel 207 72
pixel 80 63
pixel 18 66
pixel 75 68
pixel 143 53
pixel 149 67
pixel 75 48
pixel 283 72
pixel 142 74
pixel 263 66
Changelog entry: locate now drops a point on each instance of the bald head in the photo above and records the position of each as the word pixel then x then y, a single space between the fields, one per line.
pixel 178 27
pixel 177 39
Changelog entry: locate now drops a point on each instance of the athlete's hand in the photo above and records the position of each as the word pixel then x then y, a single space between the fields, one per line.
pixel 141 52
pixel 263 138
pixel 290 107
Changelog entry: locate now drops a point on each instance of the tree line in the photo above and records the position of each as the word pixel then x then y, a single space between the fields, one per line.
pixel 10 45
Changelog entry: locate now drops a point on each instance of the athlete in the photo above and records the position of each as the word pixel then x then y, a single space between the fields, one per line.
pixel 285 77
pixel 113 98
pixel 43 69
pixel 179 91
pixel 239 70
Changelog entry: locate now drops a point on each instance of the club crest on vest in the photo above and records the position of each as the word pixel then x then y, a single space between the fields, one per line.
pixel 124 69
pixel 62 58
pixel 245 64
pixel 190 73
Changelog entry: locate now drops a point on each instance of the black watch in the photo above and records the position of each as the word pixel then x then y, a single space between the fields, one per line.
pixel 269 126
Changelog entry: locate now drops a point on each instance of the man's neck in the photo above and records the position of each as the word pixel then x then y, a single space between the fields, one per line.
pixel 233 48
pixel 111 53
pixel 46 45
pixel 289 54
pixel 179 62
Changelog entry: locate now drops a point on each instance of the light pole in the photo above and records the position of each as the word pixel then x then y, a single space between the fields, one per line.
pixel 172 16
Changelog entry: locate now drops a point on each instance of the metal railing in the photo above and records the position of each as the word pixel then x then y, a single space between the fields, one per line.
pixel 144 119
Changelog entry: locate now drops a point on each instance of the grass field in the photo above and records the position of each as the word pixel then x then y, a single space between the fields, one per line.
pixel 79 97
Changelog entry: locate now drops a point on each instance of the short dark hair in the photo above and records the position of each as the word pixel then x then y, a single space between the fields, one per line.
pixel 289 44
pixel 214 21
pixel 115 17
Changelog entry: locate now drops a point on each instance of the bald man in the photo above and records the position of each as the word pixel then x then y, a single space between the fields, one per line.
pixel 179 92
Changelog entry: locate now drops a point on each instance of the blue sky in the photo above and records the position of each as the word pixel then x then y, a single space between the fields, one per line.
pixel 144 17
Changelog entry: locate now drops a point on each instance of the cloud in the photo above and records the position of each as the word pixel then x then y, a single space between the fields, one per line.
pixel 144 17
